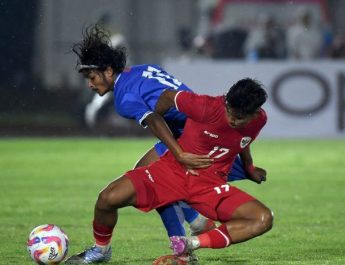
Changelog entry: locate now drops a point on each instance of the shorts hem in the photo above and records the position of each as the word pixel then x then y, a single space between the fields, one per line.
pixel 139 187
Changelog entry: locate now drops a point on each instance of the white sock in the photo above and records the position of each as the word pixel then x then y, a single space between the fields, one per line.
pixel 103 248
pixel 193 242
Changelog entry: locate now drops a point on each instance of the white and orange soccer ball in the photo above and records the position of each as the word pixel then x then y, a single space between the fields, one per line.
pixel 47 244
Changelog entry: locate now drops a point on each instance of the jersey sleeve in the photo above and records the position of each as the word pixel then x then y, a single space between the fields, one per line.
pixel 262 118
pixel 191 104
pixel 133 107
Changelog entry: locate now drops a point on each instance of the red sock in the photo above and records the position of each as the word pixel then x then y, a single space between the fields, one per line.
pixel 215 238
pixel 102 234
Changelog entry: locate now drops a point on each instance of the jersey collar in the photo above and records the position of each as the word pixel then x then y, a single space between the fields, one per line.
pixel 116 80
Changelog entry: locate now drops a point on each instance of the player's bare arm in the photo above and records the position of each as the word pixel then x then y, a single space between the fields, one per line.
pixel 255 174
pixel 166 101
pixel 160 129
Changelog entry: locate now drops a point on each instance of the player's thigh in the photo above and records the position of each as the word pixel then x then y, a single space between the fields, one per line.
pixel 120 193
pixel 230 202
pixel 220 202
pixel 252 210
pixel 149 157
pixel 207 210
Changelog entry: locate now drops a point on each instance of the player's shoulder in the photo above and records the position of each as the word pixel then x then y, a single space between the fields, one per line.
pixel 209 104
pixel 189 93
pixel 141 67
pixel 262 114
pixel 132 73
pixel 201 98
pixel 144 71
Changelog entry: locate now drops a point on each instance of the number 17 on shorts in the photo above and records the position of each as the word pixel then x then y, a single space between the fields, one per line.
pixel 223 188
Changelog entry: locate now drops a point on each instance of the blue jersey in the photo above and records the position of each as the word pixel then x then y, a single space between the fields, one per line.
pixel 137 90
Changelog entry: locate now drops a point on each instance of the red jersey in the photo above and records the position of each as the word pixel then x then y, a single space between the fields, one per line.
pixel 207 131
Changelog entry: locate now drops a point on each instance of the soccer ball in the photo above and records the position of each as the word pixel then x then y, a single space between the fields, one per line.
pixel 47 244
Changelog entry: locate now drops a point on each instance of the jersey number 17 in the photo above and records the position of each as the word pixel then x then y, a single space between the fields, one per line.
pixel 161 77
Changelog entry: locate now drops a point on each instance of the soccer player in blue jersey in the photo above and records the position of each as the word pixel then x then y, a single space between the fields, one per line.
pixel 137 90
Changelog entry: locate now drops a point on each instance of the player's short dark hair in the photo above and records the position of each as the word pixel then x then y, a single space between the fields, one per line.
pixel 246 96
pixel 95 51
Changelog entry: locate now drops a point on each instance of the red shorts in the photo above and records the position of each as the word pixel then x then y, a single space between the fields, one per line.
pixel 162 183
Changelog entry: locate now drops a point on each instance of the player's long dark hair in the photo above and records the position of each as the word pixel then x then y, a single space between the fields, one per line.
pixel 246 96
pixel 95 49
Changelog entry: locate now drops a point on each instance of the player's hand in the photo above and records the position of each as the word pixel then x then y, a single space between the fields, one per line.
pixel 258 175
pixel 192 161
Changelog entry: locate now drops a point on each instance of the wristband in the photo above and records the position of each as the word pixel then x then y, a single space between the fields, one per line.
pixel 250 168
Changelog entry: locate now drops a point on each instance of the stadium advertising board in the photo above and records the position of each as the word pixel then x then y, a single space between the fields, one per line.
pixel 306 99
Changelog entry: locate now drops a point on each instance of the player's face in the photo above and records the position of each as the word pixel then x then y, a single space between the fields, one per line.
pixel 238 121
pixel 100 82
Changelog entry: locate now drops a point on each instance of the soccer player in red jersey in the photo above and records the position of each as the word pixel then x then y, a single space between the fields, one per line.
pixel 220 127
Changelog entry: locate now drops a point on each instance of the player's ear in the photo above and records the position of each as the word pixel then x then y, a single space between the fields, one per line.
pixel 109 72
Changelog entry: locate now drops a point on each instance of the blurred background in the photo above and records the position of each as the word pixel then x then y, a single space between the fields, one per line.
pixel 295 48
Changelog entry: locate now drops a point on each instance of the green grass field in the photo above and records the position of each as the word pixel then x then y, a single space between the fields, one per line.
pixel 57 181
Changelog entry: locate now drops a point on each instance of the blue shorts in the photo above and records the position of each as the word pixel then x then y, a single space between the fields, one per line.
pixel 237 171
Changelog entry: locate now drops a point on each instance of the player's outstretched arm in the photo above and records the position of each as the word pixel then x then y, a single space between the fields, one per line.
pixel 255 174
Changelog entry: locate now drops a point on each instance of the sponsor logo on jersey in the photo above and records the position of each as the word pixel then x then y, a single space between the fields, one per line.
pixel 245 141
pixel 211 134
pixel 149 175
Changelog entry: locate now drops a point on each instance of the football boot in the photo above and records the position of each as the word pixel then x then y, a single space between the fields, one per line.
pixel 184 259
pixel 90 255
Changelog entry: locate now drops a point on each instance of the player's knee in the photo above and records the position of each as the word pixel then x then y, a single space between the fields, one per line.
pixel 119 193
pixel 104 200
pixel 110 197
pixel 265 220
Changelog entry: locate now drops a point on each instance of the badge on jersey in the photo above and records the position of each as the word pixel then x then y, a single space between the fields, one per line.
pixel 245 141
